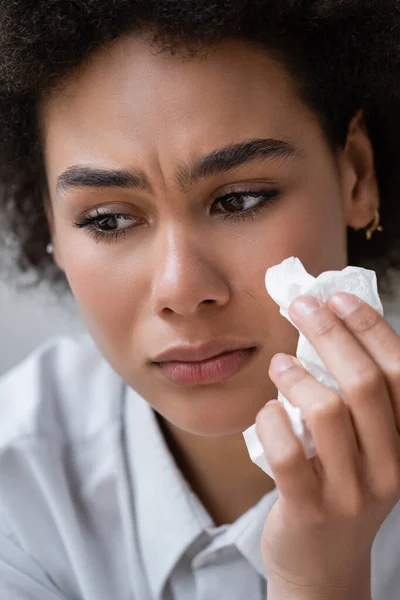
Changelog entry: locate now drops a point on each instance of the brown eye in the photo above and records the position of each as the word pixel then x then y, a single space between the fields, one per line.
pixel 243 202
pixel 108 226
pixel 110 222
pixel 107 223
pixel 233 203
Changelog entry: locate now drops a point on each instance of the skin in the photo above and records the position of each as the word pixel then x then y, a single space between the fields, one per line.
pixel 318 538
pixel 185 274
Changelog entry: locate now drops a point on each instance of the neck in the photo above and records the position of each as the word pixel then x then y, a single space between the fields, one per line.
pixel 219 471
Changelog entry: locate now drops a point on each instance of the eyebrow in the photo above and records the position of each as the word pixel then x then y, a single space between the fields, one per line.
pixel 80 176
pixel 220 161
pixel 235 156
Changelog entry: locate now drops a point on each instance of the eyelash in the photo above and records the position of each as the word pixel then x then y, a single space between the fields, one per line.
pixel 98 235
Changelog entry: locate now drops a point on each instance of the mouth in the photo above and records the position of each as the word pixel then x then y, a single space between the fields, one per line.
pixel 189 366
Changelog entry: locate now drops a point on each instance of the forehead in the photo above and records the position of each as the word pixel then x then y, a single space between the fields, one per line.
pixel 131 100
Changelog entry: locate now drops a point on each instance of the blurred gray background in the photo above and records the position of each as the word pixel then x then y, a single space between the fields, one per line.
pixel 29 318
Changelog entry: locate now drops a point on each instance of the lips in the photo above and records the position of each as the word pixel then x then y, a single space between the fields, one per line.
pixel 200 352
pixel 204 364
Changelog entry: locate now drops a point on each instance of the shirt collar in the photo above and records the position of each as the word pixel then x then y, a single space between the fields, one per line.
pixel 166 524
pixel 245 533
pixel 250 529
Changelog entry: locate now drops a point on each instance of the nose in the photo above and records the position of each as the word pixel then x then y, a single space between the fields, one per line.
pixel 186 277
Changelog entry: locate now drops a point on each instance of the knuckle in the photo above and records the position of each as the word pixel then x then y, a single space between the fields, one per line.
pixel 364 319
pixel 353 499
pixel 355 504
pixel 288 461
pixel 318 518
pixel 331 408
pixel 394 368
pixel 325 324
pixel 293 376
pixel 366 379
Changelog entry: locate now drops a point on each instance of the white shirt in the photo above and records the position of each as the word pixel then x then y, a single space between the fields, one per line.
pixel 93 507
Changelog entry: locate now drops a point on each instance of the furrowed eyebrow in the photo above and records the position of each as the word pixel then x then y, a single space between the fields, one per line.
pixel 79 176
pixel 234 156
pixel 219 161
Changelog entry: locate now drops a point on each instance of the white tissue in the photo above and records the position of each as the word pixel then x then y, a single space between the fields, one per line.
pixel 284 282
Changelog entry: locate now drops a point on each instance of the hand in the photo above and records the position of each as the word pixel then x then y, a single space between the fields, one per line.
pixel 318 537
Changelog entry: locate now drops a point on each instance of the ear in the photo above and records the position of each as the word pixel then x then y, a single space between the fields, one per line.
pixel 360 186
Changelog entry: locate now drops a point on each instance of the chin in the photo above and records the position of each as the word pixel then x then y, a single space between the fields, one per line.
pixel 220 414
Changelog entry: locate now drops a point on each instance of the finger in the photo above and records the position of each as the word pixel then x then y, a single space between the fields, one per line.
pixel 359 377
pixel 294 475
pixel 376 335
pixel 327 418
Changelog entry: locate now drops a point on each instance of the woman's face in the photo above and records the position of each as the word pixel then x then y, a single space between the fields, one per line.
pixel 224 173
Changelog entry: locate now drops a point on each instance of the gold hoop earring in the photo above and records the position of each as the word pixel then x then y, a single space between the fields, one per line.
pixel 374 227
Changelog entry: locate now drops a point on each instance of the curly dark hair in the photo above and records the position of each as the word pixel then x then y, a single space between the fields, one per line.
pixel 345 54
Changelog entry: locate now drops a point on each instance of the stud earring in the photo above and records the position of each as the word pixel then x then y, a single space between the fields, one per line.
pixel 50 248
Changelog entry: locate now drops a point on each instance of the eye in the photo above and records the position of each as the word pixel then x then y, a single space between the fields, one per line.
pixel 108 226
pixel 110 222
pixel 243 203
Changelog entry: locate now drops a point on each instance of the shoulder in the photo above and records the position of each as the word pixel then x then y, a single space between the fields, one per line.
pixel 60 449
pixel 64 389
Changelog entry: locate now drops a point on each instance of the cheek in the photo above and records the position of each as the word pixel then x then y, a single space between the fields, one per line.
pixel 109 287
pixel 305 227
pixel 313 229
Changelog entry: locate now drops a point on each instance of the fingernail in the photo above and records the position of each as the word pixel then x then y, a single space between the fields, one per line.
pixel 281 363
pixel 305 305
pixel 265 409
pixel 272 403
pixel 344 304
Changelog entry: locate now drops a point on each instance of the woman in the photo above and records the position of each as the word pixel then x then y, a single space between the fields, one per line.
pixel 167 154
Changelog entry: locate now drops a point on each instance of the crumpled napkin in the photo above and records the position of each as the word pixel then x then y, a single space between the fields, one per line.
pixel 284 282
